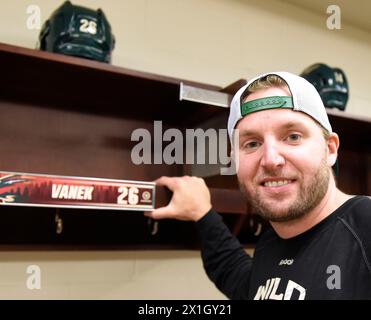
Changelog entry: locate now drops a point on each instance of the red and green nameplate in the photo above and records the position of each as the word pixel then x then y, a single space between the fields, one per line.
pixel 24 189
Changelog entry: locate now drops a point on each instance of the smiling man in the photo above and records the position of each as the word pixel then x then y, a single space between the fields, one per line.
pixel 319 246
pixel 285 157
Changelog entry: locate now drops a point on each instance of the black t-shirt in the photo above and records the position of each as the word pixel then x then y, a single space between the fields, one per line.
pixel 332 260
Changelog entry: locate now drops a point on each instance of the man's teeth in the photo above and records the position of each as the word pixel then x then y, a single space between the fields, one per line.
pixel 276 183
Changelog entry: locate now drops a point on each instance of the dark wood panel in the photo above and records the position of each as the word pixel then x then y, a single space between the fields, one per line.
pixel 57 81
pixel 228 201
pixel 354 131
pixel 35 228
pixel 354 172
pixel 40 140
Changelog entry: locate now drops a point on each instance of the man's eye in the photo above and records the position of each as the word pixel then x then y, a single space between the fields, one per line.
pixel 294 137
pixel 251 145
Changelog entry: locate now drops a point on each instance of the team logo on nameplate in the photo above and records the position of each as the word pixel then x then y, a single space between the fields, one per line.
pixel 40 190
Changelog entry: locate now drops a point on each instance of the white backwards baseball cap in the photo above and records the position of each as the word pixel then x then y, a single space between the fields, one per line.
pixel 305 98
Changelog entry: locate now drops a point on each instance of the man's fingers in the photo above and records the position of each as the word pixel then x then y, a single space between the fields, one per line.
pixel 160 213
pixel 169 182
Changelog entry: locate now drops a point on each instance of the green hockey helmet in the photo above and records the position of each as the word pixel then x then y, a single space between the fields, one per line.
pixel 78 31
pixel 331 84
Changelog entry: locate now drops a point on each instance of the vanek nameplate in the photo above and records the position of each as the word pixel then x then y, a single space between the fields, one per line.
pixel 25 189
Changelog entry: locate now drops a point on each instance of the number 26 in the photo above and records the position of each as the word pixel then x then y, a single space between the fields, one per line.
pixel 130 193
pixel 88 26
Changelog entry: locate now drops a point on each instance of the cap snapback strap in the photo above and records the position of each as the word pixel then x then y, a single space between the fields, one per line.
pixel 267 103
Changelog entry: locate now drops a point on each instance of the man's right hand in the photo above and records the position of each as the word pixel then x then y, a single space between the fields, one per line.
pixel 190 200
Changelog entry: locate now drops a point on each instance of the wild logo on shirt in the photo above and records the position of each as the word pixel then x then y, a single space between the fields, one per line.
pixel 269 290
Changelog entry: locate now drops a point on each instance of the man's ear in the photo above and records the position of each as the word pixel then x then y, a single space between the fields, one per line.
pixel 333 143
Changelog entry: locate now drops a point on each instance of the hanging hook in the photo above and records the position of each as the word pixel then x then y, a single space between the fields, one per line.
pixel 58 223
pixel 256 226
pixel 153 226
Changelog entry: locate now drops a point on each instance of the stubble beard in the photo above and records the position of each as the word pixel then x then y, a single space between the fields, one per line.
pixel 310 195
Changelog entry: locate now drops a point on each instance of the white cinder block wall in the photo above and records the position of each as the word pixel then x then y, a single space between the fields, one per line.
pixel 211 41
pixel 106 275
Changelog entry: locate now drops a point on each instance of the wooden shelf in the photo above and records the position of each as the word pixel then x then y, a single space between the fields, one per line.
pixel 70 116
pixel 70 83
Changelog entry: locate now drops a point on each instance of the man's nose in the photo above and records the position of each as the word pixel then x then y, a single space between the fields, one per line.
pixel 272 158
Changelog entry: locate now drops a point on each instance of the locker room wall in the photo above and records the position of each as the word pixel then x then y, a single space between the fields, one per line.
pixel 211 41
pixel 217 41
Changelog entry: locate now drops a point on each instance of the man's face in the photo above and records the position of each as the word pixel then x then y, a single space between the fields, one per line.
pixel 283 166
